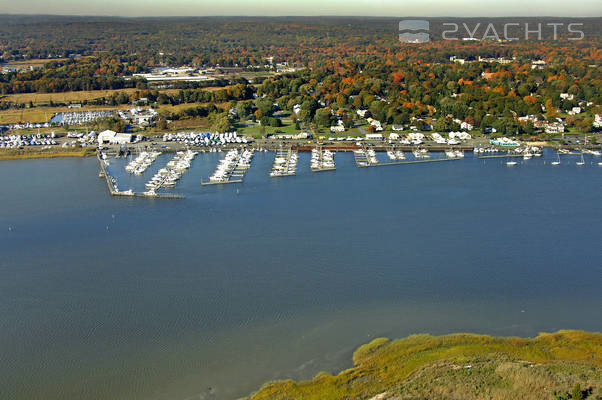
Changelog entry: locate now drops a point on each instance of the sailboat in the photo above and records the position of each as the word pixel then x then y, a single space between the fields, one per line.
pixel 558 161
pixel 582 162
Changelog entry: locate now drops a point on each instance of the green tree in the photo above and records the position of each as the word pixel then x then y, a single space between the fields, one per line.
pixel 323 117
pixel 265 105
pixel 244 109
pixel 221 122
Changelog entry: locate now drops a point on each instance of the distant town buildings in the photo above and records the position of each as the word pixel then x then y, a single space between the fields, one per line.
pixel 538 64
pixel 176 74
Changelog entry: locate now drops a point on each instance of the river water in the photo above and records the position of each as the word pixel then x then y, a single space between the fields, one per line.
pixel 210 296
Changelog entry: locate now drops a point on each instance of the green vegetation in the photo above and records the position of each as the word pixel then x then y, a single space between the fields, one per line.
pixel 337 72
pixel 461 366
pixel 53 152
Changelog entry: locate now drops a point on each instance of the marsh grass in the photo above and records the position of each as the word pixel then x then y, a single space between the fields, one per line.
pixel 54 152
pixel 462 366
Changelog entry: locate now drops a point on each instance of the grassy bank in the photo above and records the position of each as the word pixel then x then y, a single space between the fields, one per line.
pixel 460 366
pixel 11 154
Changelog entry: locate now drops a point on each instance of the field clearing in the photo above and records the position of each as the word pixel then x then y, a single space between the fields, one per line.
pixel 168 108
pixel 36 62
pixel 193 123
pixel 79 96
pixel 44 114
pixel 66 97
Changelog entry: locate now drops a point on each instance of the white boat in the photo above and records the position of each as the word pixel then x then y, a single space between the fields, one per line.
pixel 511 163
pixel 582 162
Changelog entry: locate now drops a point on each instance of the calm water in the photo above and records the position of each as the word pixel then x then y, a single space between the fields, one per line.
pixel 209 297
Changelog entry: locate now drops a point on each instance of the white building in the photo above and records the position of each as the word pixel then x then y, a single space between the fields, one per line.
pixel 575 111
pixel 338 128
pixel 554 127
pixel 112 137
pixel 374 136
pixel 539 64
pixel 466 125
pixel 139 116
pixel 376 124
pixel 362 113
pixel 566 96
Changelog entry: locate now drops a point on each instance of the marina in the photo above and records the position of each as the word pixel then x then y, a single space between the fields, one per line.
pixel 140 164
pixel 322 160
pixel 365 157
pixel 114 189
pixel 234 165
pixel 285 163
pixel 169 176
pixel 395 155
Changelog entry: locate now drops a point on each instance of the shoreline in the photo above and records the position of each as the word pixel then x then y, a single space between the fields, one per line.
pixel 270 145
pixel 461 365
pixel 35 154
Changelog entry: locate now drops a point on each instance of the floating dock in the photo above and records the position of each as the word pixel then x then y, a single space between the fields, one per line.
pixel 237 169
pixel 501 156
pixel 286 168
pixel 221 183
pixel 432 160
pixel 319 163
pixel 112 185
pixel 364 159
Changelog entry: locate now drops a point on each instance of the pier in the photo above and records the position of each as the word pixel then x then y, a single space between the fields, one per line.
pixel 365 157
pixel 221 182
pixel 285 163
pixel 233 165
pixel 501 156
pixel 322 160
pixel 410 162
pixel 114 191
